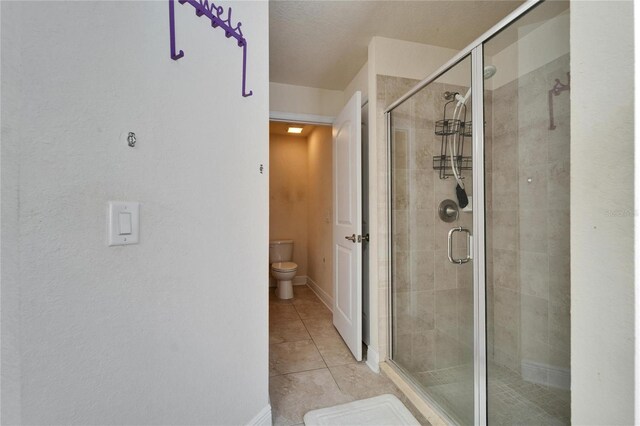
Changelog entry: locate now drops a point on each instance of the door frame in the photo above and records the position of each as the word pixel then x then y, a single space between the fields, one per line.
pixel 325 120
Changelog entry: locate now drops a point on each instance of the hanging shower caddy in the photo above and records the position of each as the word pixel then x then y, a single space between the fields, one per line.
pixel 452 131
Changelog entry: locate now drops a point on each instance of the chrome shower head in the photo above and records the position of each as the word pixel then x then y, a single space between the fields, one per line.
pixel 489 71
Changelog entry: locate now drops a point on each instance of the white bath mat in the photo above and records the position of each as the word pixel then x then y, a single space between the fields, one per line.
pixel 378 411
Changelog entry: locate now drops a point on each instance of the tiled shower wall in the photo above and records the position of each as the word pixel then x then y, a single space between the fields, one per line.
pixel 527 189
pixel 434 298
pixel 528 222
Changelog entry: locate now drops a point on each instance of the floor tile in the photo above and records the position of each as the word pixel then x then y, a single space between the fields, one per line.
pixel 357 380
pixel 302 292
pixel 312 385
pixel 320 327
pixel 292 357
pixel 279 313
pixel 275 300
pixel 287 331
pixel 334 351
pixel 312 309
pixel 292 395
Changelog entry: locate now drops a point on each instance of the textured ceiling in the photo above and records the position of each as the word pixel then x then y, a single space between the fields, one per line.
pixel 321 43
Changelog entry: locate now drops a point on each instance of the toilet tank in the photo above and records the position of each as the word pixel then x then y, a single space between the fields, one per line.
pixel 280 251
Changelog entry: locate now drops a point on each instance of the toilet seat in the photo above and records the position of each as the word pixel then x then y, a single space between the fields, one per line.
pixel 284 266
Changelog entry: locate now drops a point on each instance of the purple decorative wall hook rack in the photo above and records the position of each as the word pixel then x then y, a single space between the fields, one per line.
pixel 217 16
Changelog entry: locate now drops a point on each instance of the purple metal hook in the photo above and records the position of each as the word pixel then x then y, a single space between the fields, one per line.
pixel 203 7
pixel 172 33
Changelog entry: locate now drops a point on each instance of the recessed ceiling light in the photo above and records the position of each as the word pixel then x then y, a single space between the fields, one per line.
pixel 296 130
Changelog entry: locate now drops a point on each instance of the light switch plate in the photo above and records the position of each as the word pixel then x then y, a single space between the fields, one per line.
pixel 124 223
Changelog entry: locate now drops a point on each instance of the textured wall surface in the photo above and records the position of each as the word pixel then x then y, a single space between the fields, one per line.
pixel 320 208
pixel 288 194
pixel 304 100
pixel 602 216
pixel 154 333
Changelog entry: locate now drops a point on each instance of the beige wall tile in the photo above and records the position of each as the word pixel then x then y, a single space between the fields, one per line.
pixel 533 230
pixel 534 275
pixel 506 272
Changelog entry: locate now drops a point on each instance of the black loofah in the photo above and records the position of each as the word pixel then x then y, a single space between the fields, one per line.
pixel 462 197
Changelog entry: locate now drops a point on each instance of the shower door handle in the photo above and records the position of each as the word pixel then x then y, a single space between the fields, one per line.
pixel 450 245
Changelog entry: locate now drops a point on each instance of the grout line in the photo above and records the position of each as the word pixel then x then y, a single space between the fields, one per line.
pixel 312 339
pixel 315 345
pixel 336 382
pixel 298 372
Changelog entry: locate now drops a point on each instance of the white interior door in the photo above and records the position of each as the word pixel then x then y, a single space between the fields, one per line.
pixel 347 225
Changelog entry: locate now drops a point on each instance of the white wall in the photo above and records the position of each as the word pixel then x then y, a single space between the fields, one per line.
pixel 293 99
pixel 154 333
pixel 359 82
pixel 602 217
pixel 407 59
pixel 320 212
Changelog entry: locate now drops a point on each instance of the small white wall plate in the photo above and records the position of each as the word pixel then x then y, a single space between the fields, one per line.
pixel 124 223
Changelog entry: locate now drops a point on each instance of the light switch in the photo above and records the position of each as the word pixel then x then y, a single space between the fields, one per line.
pixel 124 223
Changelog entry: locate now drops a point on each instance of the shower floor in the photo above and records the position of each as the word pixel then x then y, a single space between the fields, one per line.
pixel 512 400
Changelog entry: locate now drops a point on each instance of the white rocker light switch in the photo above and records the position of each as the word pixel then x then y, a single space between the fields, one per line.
pixel 124 223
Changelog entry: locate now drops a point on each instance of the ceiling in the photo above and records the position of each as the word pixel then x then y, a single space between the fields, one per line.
pixel 320 43
pixel 280 128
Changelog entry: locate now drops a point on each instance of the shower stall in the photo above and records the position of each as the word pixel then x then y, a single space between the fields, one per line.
pixel 478 166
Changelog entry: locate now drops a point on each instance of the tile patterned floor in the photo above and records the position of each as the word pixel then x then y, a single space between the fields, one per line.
pixel 512 400
pixel 309 364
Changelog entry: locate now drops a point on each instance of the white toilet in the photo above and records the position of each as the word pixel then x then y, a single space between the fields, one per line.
pixel 282 268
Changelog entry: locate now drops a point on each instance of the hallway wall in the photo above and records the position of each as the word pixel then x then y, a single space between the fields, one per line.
pixel 153 333
pixel 602 214
pixel 320 211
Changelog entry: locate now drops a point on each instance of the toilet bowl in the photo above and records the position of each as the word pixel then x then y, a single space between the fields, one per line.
pixel 282 268
pixel 284 272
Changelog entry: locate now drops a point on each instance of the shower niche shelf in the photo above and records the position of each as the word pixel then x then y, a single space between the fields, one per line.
pixel 452 132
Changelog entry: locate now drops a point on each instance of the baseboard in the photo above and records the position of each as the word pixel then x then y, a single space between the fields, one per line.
pixel 545 374
pixel 263 418
pixel 373 359
pixel 322 295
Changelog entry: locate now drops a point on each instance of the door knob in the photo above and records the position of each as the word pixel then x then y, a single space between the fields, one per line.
pixel 352 238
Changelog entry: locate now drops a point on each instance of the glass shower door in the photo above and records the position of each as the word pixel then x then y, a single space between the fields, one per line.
pixel 432 292
pixel 527 138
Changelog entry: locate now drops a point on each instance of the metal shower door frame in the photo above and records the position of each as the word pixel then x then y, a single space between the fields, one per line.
pixel 476 50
